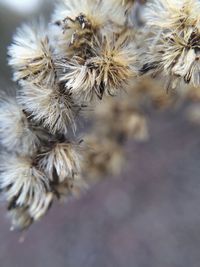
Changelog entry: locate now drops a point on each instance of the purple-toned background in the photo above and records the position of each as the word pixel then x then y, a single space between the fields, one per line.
pixel 149 216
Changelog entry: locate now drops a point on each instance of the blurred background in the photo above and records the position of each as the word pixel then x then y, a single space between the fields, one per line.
pixel 148 216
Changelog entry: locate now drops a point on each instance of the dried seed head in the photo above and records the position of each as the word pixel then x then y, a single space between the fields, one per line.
pixel 20 218
pixel 31 55
pixel 23 217
pixel 172 15
pixel 119 119
pixel 106 72
pixel 90 54
pixel 53 107
pixel 80 20
pixel 174 46
pixel 177 57
pixel 24 185
pixel 61 162
pixel 39 208
pixel 103 157
pixel 15 131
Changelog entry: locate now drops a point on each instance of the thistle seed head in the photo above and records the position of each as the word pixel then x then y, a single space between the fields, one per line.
pixel 174 45
pixel 31 55
pixel 61 162
pixel 24 186
pixel 16 133
pixel 79 21
pixel 108 70
pixel 53 107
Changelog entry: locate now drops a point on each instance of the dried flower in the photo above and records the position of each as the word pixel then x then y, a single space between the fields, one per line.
pixel 79 22
pixel 89 52
pixel 103 157
pixel 51 106
pixel 119 119
pixel 61 162
pixel 174 44
pixel 16 133
pixel 106 72
pixel 172 15
pixel 25 186
pixel 31 55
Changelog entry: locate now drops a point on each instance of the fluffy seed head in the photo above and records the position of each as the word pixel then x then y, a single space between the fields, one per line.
pixel 80 20
pixel 172 14
pixel 103 157
pixel 31 55
pixel 119 119
pixel 23 217
pixel 39 208
pixel 176 56
pixel 61 162
pixel 20 218
pixel 50 106
pixel 15 130
pixel 106 72
pixel 24 185
pixel 174 46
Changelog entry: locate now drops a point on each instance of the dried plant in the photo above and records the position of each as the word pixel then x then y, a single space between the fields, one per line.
pixel 173 45
pixel 94 65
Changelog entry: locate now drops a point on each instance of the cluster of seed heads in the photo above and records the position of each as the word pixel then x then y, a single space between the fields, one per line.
pixel 91 51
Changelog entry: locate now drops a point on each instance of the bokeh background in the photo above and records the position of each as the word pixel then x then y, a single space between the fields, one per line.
pixel 148 216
